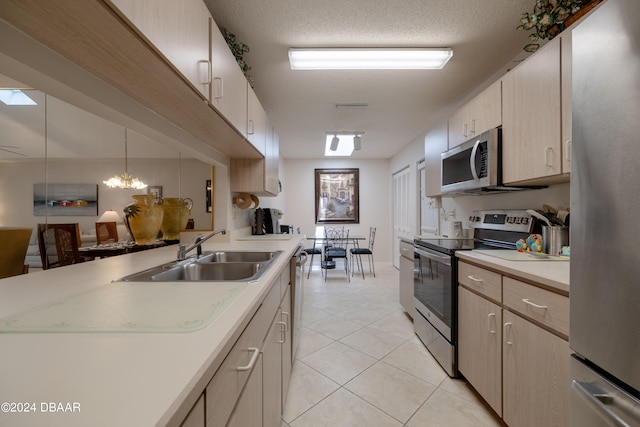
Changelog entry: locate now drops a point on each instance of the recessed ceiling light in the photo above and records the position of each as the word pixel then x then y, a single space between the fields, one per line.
pixel 15 97
pixel 342 144
pixel 369 58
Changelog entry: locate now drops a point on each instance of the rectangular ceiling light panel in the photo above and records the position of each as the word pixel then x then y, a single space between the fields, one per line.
pixel 369 58
pixel 15 97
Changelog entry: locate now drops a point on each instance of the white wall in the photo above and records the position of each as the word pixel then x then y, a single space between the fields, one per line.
pixel 298 204
pixel 17 179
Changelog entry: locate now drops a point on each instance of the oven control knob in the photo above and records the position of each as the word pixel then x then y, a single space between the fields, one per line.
pixel 525 220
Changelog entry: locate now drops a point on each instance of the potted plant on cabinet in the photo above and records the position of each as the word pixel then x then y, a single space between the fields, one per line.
pixel 550 17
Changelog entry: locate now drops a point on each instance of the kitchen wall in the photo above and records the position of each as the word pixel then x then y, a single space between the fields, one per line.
pixel 298 204
pixel 557 195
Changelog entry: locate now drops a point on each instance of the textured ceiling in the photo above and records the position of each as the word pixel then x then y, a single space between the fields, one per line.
pixel 402 104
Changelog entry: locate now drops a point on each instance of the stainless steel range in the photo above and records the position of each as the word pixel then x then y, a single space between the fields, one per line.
pixel 435 280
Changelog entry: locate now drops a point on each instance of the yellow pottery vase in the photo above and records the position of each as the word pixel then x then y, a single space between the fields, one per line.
pixel 176 215
pixel 143 218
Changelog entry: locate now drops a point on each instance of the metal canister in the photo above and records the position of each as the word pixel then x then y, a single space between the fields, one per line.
pixel 554 238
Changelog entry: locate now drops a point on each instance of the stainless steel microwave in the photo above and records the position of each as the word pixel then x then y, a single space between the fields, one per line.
pixel 474 165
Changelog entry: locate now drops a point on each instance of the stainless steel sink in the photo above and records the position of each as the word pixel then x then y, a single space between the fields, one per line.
pixel 221 266
pixel 237 256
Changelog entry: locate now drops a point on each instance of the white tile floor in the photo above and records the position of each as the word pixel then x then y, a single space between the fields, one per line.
pixel 360 364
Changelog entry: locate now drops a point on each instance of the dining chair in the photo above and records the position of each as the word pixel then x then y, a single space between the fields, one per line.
pixel 357 253
pixel 106 232
pixel 336 241
pixel 59 244
pixel 15 241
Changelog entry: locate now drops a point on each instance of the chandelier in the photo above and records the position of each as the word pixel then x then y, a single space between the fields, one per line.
pixel 125 181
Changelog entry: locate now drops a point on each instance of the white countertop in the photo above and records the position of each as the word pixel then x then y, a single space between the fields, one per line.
pixel 549 272
pixel 115 378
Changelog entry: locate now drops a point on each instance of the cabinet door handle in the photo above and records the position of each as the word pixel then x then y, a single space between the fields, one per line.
pixel 283 329
pixel 252 362
pixel 465 131
pixel 547 161
pixel 507 326
pixel 541 307
pixel 284 313
pixel 473 126
pixel 250 127
pixel 218 87
pixel 490 317
pixel 475 279
pixel 207 79
pixel 567 150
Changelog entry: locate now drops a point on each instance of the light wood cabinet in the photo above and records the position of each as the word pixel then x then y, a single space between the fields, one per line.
pixel 257 122
pixel 482 113
pixel 287 346
pixel 514 350
pixel 258 176
pixel 532 126
pixel 272 375
pixel 535 375
pixel 406 277
pixel 480 346
pixel 179 30
pixel 228 83
pixel 248 411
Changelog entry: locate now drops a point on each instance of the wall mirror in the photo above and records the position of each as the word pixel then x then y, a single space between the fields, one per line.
pixel 55 142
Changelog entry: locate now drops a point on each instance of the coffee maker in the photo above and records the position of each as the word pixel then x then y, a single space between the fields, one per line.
pixel 266 221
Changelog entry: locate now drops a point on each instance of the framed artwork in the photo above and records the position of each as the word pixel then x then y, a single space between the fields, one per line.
pixel 156 190
pixel 208 195
pixel 337 196
pixel 65 199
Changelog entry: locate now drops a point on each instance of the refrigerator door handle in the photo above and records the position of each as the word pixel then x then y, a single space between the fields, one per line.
pixel 598 399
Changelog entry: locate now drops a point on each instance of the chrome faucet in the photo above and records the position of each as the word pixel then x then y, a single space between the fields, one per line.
pixel 183 249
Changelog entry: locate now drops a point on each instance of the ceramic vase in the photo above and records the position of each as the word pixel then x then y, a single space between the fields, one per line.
pixel 176 215
pixel 143 218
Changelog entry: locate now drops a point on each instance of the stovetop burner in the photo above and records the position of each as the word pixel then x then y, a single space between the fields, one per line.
pixel 493 229
pixel 448 246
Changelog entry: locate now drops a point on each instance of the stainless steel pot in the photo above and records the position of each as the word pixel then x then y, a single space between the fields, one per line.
pixel 554 238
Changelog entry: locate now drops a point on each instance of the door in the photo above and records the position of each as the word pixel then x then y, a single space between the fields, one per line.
pixel 401 223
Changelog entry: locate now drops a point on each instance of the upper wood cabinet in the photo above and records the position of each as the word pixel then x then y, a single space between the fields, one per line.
pixel 179 30
pixel 482 113
pixel 256 128
pixel 258 176
pixel 228 83
pixel 532 112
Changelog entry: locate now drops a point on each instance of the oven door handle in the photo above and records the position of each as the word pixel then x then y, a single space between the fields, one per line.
pixel 433 256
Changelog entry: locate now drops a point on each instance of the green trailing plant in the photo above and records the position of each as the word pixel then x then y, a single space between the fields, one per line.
pixel 238 50
pixel 548 19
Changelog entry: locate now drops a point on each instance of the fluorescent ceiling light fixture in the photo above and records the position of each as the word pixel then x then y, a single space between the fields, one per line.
pixel 345 145
pixel 15 97
pixel 369 58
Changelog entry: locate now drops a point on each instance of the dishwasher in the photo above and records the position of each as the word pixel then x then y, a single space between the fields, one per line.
pixel 298 261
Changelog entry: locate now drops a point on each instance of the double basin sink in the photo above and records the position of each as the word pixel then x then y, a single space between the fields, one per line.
pixel 219 266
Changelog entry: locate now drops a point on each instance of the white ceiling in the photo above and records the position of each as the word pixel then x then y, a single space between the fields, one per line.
pixel 402 104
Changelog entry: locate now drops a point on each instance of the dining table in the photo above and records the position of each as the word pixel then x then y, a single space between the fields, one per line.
pixel 115 249
pixel 322 239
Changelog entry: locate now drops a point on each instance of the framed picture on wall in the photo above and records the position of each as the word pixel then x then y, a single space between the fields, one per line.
pixel 65 199
pixel 337 196
pixel 156 190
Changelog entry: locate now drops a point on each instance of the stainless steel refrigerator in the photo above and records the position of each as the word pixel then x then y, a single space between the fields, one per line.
pixel 605 217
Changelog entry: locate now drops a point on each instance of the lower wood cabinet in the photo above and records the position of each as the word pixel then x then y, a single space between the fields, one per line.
pixel 535 375
pixel 480 346
pixel 248 410
pixel 250 386
pixel 513 349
